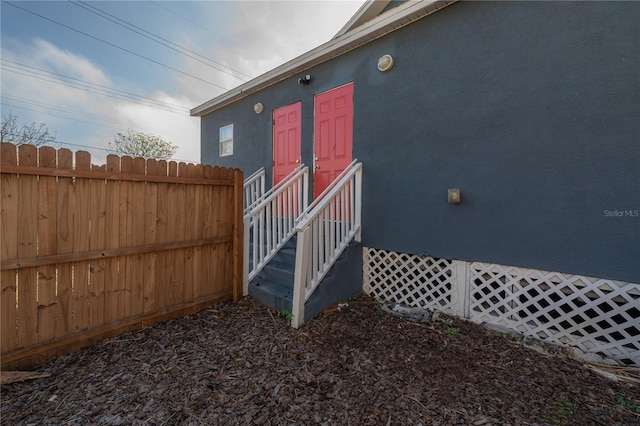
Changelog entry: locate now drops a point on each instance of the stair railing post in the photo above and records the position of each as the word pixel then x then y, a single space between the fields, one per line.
pixel 300 278
pixel 358 205
pixel 305 189
pixel 245 258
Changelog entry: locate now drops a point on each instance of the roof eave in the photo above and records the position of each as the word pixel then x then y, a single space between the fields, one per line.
pixel 368 11
pixel 388 22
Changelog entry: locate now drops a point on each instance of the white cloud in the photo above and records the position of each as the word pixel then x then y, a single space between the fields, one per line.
pixel 266 34
pixel 80 117
pixel 64 62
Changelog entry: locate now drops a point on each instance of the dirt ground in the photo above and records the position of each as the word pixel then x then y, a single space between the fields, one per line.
pixel 360 365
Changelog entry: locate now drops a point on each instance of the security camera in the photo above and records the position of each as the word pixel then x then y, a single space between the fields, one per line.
pixel 305 80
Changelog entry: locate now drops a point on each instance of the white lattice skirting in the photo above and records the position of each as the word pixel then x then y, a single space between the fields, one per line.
pixel 595 315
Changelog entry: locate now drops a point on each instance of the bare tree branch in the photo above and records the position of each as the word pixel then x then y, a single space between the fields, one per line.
pixel 33 134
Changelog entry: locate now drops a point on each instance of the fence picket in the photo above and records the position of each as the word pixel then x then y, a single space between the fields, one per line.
pixel 9 247
pixel 170 259
pixel 82 192
pixel 136 236
pixel 198 212
pixel 237 228
pixel 152 282
pixel 98 228
pixel 182 215
pixel 27 247
pixel 207 230
pixel 47 223
pixel 211 228
pixel 191 209
pixel 224 225
pixel 124 239
pixel 215 252
pixel 112 293
pixel 64 243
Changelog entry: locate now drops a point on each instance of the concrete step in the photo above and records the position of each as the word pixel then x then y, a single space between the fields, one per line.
pixel 273 286
pixel 289 248
pixel 271 294
pixel 279 273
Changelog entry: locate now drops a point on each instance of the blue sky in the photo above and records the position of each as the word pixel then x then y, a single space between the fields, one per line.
pixel 131 51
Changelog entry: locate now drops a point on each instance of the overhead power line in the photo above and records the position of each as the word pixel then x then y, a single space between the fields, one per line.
pixel 50 107
pixel 89 90
pixel 60 116
pixel 87 86
pixel 57 141
pixel 114 45
pixel 160 5
pixel 111 151
pixel 161 40
pixel 83 146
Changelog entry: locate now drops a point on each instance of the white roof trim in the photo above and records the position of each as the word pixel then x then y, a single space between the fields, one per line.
pixel 390 21
pixel 369 10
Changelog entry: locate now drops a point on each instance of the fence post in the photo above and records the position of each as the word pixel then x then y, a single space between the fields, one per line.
pixel 238 235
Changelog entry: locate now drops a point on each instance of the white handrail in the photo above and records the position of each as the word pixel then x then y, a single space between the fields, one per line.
pixel 254 175
pixel 271 221
pixel 336 181
pixel 253 188
pixel 324 231
pixel 260 202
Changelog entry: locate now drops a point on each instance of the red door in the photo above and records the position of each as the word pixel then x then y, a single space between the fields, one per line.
pixel 333 135
pixel 286 140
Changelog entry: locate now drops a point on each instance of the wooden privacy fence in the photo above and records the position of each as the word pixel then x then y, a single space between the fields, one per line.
pixel 90 252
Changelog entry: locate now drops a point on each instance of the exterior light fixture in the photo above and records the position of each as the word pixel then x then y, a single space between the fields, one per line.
pixel 453 196
pixel 385 63
pixel 304 79
pixel 258 108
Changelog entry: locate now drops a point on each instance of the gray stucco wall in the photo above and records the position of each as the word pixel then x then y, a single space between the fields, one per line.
pixel 530 108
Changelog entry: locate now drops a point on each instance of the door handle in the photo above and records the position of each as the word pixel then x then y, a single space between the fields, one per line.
pixel 297 161
pixel 317 167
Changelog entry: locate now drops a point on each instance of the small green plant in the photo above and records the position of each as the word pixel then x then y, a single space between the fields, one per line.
pixel 630 405
pixel 287 314
pixel 451 331
pixel 446 324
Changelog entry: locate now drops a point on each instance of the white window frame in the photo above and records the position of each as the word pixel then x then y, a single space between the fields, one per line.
pixel 226 141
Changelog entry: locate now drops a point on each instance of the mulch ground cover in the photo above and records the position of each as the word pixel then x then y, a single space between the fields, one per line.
pixel 241 364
